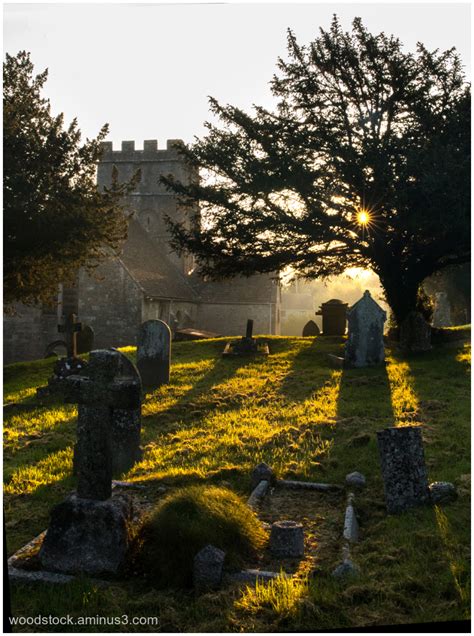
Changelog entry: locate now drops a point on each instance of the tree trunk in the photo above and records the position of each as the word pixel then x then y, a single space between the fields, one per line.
pixel 400 296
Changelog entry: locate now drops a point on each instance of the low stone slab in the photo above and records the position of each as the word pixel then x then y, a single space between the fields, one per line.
pixel 442 492
pixel 336 362
pixel 308 485
pixel 346 569
pixel 260 472
pixel 17 575
pixel 351 525
pixel 207 568
pixel 250 577
pixel 356 480
pixel 258 494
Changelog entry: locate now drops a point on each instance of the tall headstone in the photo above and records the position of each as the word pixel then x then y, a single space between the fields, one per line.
pixel 365 346
pixel 415 334
pixel 442 310
pixel 403 468
pixel 310 329
pixel 88 530
pixel 154 353
pixel 126 423
pixel 70 328
pixel 85 340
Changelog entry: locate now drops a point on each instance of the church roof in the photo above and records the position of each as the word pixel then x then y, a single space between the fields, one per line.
pixel 151 269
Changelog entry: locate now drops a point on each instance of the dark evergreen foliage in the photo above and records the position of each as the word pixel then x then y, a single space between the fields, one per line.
pixel 55 219
pixel 360 125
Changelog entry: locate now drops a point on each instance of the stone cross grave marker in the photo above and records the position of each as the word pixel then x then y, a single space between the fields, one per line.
pixel 154 353
pixel 365 344
pixel 98 395
pixel 70 328
pixel 403 468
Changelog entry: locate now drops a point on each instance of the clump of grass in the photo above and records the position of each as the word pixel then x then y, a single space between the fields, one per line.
pixel 282 596
pixel 188 520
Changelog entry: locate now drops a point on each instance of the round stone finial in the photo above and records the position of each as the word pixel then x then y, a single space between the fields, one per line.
pixel 287 539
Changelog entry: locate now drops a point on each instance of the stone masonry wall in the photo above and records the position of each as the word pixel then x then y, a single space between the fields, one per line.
pixel 231 319
pixel 26 334
pixel 111 305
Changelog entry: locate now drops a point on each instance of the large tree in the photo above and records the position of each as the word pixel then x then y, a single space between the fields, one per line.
pixel 55 219
pixel 365 161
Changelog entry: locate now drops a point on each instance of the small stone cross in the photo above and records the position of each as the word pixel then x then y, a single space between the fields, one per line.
pixel 98 394
pixel 249 331
pixel 70 328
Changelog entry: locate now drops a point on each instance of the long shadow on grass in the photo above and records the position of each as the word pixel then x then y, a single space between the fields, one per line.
pixel 309 369
pixel 199 400
pixel 442 387
pixel 364 406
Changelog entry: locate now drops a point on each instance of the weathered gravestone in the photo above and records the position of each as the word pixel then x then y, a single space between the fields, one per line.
pixel 88 531
pixel 85 340
pixel 365 344
pixel 154 353
pixel 310 329
pixel 125 420
pixel 415 334
pixel 403 468
pixel 442 310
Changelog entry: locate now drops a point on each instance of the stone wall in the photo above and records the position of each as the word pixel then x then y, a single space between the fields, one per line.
pixel 111 303
pixel 231 319
pixel 27 333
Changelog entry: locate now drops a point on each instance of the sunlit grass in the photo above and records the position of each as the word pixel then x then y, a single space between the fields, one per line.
pixel 457 567
pixel 281 595
pixel 405 402
pixel 464 355
pixel 218 418
pixel 27 479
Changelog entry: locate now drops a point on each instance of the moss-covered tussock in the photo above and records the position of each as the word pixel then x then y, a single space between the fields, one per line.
pixel 188 520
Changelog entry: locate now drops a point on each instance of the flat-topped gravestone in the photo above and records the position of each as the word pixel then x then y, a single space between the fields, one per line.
pixel 310 329
pixel 403 468
pixel 415 334
pixel 365 346
pixel 154 353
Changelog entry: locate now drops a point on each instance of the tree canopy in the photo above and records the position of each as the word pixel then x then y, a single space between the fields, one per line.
pixel 364 162
pixel 55 219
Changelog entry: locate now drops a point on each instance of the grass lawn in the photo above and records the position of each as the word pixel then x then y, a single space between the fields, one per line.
pixel 212 424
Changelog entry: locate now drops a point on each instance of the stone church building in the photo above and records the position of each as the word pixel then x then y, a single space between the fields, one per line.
pixel 147 279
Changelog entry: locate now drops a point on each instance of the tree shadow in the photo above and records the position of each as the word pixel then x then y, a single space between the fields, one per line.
pixel 364 406
pixel 309 369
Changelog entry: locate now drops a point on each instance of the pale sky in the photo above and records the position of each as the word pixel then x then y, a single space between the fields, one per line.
pixel 147 69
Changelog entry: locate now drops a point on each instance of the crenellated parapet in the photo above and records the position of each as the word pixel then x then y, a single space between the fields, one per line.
pixel 150 152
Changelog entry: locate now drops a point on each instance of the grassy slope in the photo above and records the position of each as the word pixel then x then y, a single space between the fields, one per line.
pixel 216 420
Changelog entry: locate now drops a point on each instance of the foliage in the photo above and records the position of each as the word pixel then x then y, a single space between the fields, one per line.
pixel 55 219
pixel 282 596
pixel 188 520
pixel 360 126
